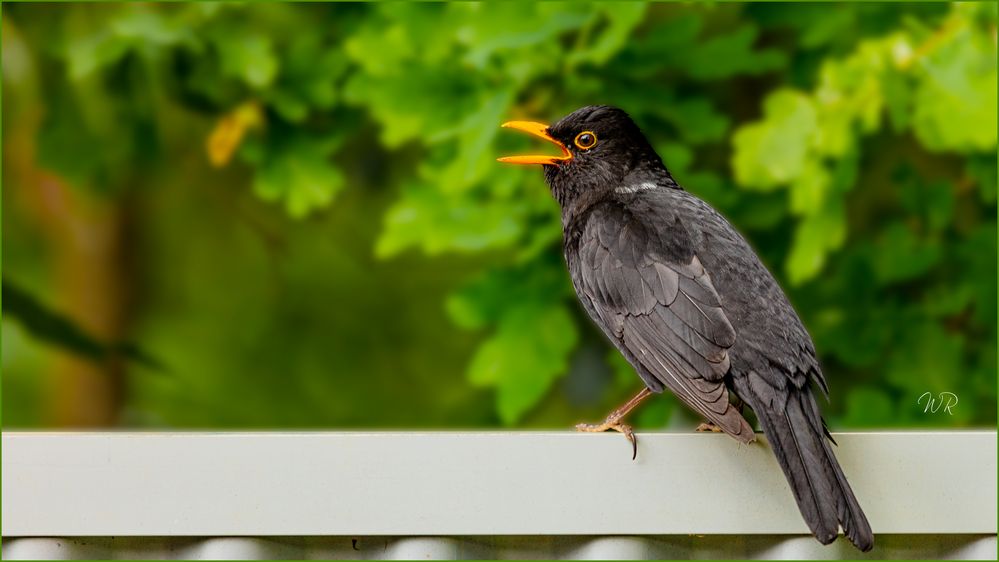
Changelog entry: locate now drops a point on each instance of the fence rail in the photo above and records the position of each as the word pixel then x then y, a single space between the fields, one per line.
pixel 562 493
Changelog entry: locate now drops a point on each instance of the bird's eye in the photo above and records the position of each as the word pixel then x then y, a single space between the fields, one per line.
pixel 586 140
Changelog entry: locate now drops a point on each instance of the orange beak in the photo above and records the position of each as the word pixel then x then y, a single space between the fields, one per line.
pixel 538 130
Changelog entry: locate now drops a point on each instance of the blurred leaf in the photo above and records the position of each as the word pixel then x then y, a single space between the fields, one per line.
pixel 228 133
pixel 308 78
pixel 437 222
pixel 808 192
pixel 958 94
pixel 502 26
pixel 772 151
pixel 730 54
pixel 622 18
pixel 697 119
pixel 145 27
pixel 301 175
pixel 425 104
pixel 983 170
pixel 900 255
pixel 483 300
pixel 474 160
pixel 529 351
pixel 249 57
pixel 815 236
pixel 977 268
pixel 934 201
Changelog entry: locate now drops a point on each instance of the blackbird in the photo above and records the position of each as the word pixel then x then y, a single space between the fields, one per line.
pixel 686 300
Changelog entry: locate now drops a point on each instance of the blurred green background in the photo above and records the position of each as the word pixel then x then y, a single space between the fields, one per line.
pixel 290 215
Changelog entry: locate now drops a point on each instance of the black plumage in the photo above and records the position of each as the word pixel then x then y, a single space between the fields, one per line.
pixel 687 301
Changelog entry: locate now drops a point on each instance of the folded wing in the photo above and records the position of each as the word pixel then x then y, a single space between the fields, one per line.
pixel 662 312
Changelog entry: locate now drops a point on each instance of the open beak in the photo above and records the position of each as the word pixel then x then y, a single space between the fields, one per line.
pixel 538 130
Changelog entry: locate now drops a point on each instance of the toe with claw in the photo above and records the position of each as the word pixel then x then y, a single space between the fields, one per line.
pixel 616 425
pixel 708 427
pixel 613 421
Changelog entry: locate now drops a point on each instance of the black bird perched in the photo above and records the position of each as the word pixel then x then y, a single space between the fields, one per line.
pixel 685 298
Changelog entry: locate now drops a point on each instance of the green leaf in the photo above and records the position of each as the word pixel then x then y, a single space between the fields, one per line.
pixel 900 255
pixel 978 270
pixel 622 18
pixel 772 151
pixel 982 169
pixel 814 237
pixel 529 351
pixel 696 119
pixel 808 192
pixel 436 222
pixel 847 333
pixel 495 27
pixel 534 335
pixel 484 300
pixel 249 57
pixel 424 104
pixel 958 95
pixel 87 55
pixel 474 160
pixel 898 92
pixel 146 26
pixel 307 79
pixel 677 158
pixel 379 49
pixel 932 201
pixel 731 54
pixel 849 96
pixel 300 175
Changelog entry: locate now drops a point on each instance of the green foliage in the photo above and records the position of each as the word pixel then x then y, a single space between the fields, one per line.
pixel 299 173
pixel 533 337
pixel 853 144
pixel 804 139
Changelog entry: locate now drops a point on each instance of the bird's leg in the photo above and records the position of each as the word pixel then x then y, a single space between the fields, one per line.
pixel 613 421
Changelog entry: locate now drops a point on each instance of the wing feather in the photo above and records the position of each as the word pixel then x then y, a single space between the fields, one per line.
pixel 664 314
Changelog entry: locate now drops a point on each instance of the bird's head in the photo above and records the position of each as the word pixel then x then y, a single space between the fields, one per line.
pixel 602 150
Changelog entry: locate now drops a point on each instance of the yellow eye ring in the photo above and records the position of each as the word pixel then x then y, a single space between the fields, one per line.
pixel 586 140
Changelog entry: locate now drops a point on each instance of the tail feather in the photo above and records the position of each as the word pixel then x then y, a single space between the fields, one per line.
pixel 854 521
pixel 797 437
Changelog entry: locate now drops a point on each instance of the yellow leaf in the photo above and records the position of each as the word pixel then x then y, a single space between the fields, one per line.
pixel 228 133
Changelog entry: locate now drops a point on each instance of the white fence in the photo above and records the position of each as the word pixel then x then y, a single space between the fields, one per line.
pixel 476 495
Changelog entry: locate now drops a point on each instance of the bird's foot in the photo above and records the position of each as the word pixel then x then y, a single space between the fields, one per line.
pixel 708 426
pixel 613 422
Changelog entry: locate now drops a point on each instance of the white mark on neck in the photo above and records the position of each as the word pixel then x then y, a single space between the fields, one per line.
pixel 634 188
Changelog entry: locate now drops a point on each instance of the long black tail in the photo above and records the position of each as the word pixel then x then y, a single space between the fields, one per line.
pixel 798 438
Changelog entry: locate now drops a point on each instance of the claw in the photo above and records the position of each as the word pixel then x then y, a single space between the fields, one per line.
pixel 613 421
pixel 708 426
pixel 625 429
pixel 630 435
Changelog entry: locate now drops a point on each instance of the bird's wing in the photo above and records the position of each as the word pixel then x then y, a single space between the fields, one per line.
pixel 660 308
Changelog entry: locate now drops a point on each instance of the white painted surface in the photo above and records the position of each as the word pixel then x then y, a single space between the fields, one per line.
pixel 537 483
